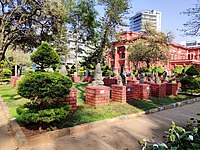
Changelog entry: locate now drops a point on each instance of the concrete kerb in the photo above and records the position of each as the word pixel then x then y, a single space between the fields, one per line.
pixel 23 140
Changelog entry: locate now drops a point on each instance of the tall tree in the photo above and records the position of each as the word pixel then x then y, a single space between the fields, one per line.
pixel 150 47
pixel 192 26
pixel 26 23
pixel 115 12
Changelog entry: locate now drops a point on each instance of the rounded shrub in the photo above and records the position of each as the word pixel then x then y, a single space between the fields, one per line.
pixel 43 89
pixel 192 71
pixel 189 84
pixel 44 86
pixel 159 69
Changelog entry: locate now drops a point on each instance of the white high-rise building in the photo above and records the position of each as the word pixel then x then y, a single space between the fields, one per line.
pixel 151 15
pixel 193 43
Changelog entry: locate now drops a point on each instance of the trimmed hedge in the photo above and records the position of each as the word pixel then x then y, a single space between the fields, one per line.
pixel 190 84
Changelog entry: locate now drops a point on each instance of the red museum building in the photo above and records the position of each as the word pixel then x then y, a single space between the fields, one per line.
pixel 179 55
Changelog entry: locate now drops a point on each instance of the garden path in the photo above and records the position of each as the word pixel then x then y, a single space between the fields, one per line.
pixel 124 135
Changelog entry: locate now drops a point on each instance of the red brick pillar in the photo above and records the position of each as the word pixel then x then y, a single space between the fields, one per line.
pixel 71 99
pixel 141 91
pixel 129 91
pixel 172 89
pixel 119 93
pixel 97 95
pixel 158 90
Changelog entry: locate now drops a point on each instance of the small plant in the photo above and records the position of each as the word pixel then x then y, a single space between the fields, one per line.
pixel 178 138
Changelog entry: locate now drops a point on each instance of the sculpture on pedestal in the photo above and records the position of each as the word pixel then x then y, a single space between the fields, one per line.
pixel 98 81
pixel 119 80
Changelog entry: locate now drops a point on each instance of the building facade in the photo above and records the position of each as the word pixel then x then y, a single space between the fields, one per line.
pixel 179 55
pixel 194 43
pixel 151 15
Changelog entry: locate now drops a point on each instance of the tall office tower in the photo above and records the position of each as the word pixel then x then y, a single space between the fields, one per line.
pixel 153 16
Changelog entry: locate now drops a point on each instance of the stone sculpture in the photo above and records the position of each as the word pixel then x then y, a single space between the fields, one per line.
pixel 98 81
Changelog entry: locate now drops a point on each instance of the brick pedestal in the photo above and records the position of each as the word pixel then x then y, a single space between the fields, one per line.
pixel 141 91
pixel 97 95
pixel 129 93
pixel 76 79
pixel 158 90
pixel 13 80
pixel 119 93
pixel 71 99
pixel 171 89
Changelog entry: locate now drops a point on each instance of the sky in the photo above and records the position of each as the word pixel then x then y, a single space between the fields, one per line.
pixel 172 20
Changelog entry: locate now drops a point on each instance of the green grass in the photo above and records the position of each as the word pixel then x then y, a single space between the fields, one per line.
pixel 86 113
pixel 81 91
pixel 11 98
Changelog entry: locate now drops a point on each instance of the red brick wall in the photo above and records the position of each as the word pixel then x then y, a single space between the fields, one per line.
pixel 97 95
pixel 172 89
pixel 119 93
pixel 141 91
pixel 71 99
pixel 109 81
pixel 158 90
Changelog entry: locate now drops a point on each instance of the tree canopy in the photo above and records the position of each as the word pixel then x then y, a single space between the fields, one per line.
pixel 192 26
pixel 152 46
pixel 26 23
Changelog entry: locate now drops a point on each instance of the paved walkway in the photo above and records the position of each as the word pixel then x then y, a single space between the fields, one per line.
pixel 123 135
pixel 7 141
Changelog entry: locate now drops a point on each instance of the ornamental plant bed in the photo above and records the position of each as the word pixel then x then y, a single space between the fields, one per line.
pixel 86 113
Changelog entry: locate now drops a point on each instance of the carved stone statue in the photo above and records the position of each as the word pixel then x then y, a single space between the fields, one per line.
pixel 141 76
pixel 97 76
pixel 119 80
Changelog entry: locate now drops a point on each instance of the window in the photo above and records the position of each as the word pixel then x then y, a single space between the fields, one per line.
pixel 123 55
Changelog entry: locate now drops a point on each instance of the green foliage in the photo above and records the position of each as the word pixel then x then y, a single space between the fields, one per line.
pixel 81 72
pixel 44 89
pixel 186 68
pixel 190 84
pixel 192 71
pixel 178 138
pixel 45 56
pixel 44 117
pixel 6 73
pixel 178 69
pixel 106 71
pixel 159 69
pixel 44 86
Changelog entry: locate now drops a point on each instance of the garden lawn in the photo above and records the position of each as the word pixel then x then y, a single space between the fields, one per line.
pixel 11 98
pixel 86 113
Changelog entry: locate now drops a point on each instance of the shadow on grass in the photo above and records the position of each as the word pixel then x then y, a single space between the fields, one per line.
pixel 10 97
pixel 81 90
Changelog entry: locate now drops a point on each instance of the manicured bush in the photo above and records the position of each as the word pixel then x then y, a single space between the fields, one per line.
pixel 45 56
pixel 43 89
pixel 189 84
pixel 178 69
pixel 192 71
pixel 81 72
pixel 44 86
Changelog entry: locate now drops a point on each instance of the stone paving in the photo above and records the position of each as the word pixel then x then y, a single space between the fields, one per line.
pixel 120 136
